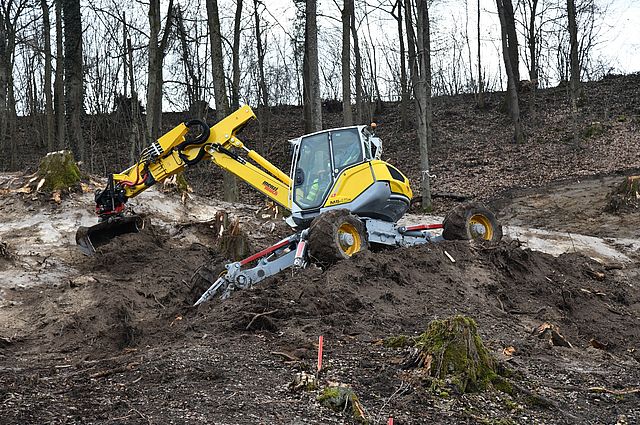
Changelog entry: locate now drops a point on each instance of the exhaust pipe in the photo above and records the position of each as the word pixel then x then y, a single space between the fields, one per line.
pixel 90 238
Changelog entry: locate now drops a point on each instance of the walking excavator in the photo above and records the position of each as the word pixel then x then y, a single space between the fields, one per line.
pixel 342 197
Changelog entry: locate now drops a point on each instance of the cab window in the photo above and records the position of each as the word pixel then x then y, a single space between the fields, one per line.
pixel 347 148
pixel 312 178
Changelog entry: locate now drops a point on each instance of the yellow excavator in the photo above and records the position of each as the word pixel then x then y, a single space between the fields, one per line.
pixel 342 197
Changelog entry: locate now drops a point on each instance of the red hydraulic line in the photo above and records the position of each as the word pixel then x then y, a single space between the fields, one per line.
pixel 266 251
pixel 424 227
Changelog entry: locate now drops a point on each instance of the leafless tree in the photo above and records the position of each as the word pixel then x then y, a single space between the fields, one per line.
pixel 73 76
pixel 46 25
pixel 419 41
pixel 235 54
pixel 222 101
pixel 396 12
pixel 311 76
pixel 347 113
pixel 157 50
pixel 58 85
pixel 512 79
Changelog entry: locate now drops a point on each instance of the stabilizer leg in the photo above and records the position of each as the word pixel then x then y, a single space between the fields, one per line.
pixel 271 261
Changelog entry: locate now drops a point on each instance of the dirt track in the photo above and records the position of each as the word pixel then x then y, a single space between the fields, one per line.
pixel 113 339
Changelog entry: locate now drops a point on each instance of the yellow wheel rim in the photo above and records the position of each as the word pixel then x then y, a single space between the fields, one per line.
pixel 480 227
pixel 349 239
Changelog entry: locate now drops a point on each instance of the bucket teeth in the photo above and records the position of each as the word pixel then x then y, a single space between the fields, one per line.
pixel 90 238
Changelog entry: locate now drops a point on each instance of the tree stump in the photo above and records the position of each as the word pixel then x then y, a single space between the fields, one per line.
pixel 233 243
pixel 341 398
pixel 626 196
pixel 452 355
pixel 59 171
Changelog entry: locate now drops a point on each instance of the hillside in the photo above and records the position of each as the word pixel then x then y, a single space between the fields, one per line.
pixel 114 338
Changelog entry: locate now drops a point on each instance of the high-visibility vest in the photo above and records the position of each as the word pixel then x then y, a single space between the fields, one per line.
pixel 313 190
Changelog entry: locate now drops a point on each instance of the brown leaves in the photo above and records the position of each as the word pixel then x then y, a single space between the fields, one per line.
pixel 551 334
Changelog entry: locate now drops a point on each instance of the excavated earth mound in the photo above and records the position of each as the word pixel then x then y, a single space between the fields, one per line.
pixel 122 341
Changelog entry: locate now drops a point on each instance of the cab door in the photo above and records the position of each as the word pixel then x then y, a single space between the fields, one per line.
pixel 312 174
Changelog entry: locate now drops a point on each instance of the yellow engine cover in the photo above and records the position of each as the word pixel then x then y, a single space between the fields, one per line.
pixel 354 181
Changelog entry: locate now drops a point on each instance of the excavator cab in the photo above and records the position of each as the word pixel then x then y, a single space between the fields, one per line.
pixel 341 168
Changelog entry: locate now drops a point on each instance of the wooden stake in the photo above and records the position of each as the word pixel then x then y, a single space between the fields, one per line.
pixel 320 343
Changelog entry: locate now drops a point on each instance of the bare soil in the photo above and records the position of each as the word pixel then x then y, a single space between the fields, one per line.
pixel 114 338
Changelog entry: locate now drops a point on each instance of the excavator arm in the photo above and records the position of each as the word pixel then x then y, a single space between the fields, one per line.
pixel 170 155
pixel 173 152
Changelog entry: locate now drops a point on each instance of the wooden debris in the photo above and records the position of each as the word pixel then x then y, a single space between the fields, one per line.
pixel 624 391
pixel 449 256
pixel 120 369
pixel 551 333
pixel 259 315
pixel 509 351
pixel 597 344
pixel 303 381
pixel 288 356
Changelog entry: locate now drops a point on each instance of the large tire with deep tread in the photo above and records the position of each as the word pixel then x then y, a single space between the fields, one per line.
pixel 202 279
pixel 459 223
pixel 324 236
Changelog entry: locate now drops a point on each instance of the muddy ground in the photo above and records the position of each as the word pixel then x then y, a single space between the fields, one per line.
pixel 114 339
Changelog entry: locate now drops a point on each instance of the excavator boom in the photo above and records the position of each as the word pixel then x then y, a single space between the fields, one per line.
pixel 170 155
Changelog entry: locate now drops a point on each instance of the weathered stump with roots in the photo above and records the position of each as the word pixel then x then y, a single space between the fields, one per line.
pixel 625 196
pixel 452 355
pixel 233 243
pixel 59 171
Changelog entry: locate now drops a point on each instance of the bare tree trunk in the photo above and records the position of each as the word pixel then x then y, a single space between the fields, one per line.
pixel 358 69
pixel 222 102
pixel 58 85
pixel 373 66
pixel 230 183
pixel 73 67
pixel 404 93
pixel 235 53
pixel 512 91
pixel 424 55
pixel 512 38
pixel 533 70
pixel 153 119
pixel 46 23
pixel 420 66
pixel 576 90
pixel 135 136
pixel 347 113
pixel 190 79
pixel 157 50
pixel 264 93
pixel 480 99
pixel 311 74
pixel 4 79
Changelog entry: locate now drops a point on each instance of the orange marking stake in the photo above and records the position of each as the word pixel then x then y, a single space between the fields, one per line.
pixel 390 421
pixel 320 343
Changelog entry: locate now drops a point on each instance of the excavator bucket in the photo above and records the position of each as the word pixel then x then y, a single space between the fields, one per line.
pixel 89 238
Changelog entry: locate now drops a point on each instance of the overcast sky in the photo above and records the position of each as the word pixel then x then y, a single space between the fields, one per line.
pixel 620 34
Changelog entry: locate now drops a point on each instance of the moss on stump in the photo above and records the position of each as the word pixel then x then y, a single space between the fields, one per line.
pixel 452 354
pixel 341 398
pixel 59 171
pixel 626 196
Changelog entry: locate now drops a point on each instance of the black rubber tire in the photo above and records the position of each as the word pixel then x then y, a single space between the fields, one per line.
pixel 324 244
pixel 457 224
pixel 202 279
